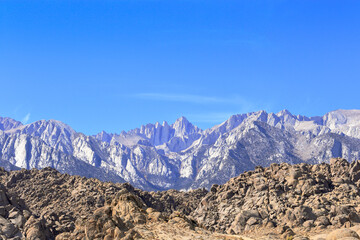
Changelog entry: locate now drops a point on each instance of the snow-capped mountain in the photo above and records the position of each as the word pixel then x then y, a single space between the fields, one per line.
pixel 182 156
pixel 175 137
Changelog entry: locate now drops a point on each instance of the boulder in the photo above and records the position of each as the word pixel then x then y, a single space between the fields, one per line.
pixel 343 234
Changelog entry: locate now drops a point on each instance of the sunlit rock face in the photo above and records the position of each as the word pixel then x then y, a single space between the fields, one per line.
pixel 182 156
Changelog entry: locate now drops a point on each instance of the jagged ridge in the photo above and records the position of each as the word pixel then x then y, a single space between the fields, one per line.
pixel 180 155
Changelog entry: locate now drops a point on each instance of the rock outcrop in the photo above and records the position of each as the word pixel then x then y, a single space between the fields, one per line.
pixel 62 206
pixel 17 221
pixel 282 201
pixel 302 197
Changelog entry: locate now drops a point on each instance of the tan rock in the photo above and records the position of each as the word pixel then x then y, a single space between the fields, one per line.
pixel 343 234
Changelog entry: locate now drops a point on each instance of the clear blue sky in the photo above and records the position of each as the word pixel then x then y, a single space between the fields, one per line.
pixel 115 65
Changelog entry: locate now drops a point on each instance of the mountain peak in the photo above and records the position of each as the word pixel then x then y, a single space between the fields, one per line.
pixel 182 127
pixel 103 136
pixel 284 112
pixel 182 119
pixel 53 123
pixel 342 117
pixel 346 112
pixel 7 123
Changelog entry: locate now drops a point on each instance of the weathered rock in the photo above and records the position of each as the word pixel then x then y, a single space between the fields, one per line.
pixel 343 234
pixel 284 200
pixel 299 196
pixel 300 238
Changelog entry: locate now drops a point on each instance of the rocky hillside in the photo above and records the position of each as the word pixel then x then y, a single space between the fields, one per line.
pixel 44 204
pixel 180 155
pixel 302 197
pixel 279 202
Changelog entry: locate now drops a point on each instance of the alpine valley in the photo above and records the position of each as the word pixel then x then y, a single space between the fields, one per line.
pixel 182 156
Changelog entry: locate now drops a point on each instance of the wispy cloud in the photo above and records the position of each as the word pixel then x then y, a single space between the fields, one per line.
pixel 191 98
pixel 26 118
pixel 181 98
pixel 16 109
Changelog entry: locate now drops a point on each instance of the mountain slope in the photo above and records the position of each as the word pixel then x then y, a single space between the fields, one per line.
pixel 180 155
pixel 8 123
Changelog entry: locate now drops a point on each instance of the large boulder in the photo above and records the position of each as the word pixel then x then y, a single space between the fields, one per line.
pixel 343 234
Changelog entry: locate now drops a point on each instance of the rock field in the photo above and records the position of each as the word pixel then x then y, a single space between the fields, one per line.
pixel 282 201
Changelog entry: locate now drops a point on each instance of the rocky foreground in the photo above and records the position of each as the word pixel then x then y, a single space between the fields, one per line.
pixel 282 201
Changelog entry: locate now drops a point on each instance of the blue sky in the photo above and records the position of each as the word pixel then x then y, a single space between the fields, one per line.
pixel 115 65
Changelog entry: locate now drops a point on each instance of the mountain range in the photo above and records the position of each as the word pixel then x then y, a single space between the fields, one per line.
pixel 181 155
